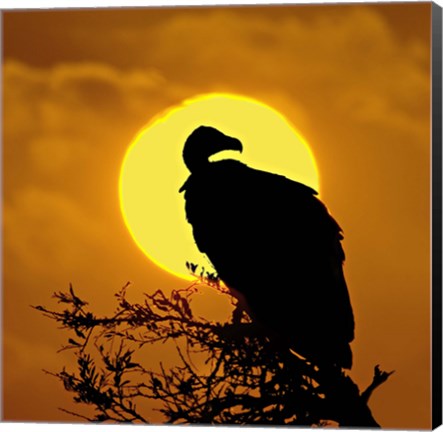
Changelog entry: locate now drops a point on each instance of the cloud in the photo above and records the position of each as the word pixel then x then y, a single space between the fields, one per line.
pixel 352 62
pixel 67 120
pixel 66 131
pixel 350 59
pixel 46 231
pixel 54 99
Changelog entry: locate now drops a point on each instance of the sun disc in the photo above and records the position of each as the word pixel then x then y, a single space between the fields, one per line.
pixel 153 171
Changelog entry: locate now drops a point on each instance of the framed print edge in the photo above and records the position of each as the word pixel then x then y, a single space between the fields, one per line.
pixel 436 215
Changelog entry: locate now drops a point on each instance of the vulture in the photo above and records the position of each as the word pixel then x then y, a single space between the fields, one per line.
pixel 275 246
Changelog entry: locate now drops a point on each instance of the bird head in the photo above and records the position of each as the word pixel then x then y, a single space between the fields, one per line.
pixel 204 142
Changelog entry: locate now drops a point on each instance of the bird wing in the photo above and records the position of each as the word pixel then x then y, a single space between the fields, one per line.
pixel 271 239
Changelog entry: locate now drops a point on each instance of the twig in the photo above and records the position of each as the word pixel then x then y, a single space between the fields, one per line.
pixel 379 378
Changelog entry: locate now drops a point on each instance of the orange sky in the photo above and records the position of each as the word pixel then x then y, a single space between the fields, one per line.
pixel 78 86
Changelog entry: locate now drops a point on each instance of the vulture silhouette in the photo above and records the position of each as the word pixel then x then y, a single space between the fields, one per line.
pixel 274 244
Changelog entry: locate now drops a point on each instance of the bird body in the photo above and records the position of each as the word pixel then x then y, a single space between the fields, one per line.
pixel 272 240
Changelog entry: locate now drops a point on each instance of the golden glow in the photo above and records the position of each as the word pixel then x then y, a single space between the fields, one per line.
pixel 153 170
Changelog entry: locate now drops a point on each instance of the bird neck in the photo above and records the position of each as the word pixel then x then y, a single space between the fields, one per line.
pixel 195 162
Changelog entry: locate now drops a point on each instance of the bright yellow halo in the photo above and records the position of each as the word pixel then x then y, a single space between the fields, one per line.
pixel 153 170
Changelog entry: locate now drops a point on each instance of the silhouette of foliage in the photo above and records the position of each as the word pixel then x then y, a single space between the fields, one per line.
pixel 227 373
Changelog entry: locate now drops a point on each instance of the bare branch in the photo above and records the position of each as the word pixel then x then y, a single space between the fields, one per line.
pixel 244 377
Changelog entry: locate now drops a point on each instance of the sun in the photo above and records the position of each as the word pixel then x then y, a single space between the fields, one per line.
pixel 153 171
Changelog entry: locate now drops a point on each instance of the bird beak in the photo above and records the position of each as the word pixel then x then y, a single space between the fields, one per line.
pixel 233 144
